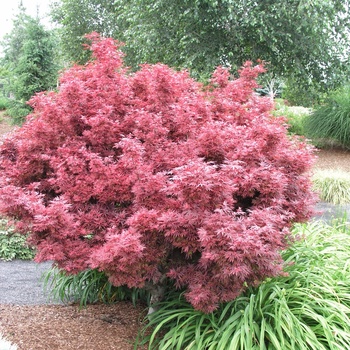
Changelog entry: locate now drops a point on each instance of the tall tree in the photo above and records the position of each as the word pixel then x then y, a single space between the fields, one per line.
pixel 36 69
pixel 80 17
pixel 13 41
pixel 305 39
pixel 29 55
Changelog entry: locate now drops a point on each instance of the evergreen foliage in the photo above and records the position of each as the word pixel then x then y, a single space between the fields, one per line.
pixel 35 69
pixel 30 61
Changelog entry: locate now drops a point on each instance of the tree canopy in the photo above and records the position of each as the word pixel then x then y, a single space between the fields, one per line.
pixel 306 40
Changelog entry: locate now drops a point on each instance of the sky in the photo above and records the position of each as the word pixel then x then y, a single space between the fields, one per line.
pixel 9 8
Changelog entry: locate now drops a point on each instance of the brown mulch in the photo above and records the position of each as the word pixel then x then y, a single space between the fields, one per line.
pixel 69 327
pixel 107 327
pixel 335 159
pixel 5 125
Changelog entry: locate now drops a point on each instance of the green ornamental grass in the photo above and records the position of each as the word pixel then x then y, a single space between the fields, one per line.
pixel 88 287
pixel 331 122
pixel 308 309
pixel 332 186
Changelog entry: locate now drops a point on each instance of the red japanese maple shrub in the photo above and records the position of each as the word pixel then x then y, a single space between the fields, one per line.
pixel 150 175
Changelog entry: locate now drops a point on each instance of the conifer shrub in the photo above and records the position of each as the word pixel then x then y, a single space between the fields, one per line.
pixel 153 178
pixel 4 102
pixel 17 111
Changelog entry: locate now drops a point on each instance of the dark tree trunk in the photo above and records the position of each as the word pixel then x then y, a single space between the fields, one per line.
pixel 157 295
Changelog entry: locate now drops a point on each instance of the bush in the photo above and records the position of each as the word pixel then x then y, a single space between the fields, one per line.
pixel 333 186
pixel 17 111
pixel 300 94
pixel 296 116
pixel 4 103
pixel 12 244
pixel 151 177
pixel 330 124
pixel 308 309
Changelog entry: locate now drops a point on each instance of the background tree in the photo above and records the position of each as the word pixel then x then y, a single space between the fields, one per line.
pixel 29 57
pixel 304 41
pixel 13 41
pixel 35 70
pixel 80 17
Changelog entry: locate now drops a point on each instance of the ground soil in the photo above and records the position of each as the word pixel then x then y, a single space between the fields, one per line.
pixel 335 159
pixel 68 327
pixel 112 327
pixel 5 124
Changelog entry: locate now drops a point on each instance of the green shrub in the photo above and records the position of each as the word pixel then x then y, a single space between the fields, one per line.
pixel 330 124
pixel 333 186
pixel 88 287
pixel 306 95
pixel 308 309
pixel 17 111
pixel 296 116
pixel 13 245
pixel 4 103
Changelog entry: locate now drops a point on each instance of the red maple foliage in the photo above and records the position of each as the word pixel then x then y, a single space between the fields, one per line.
pixel 150 174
